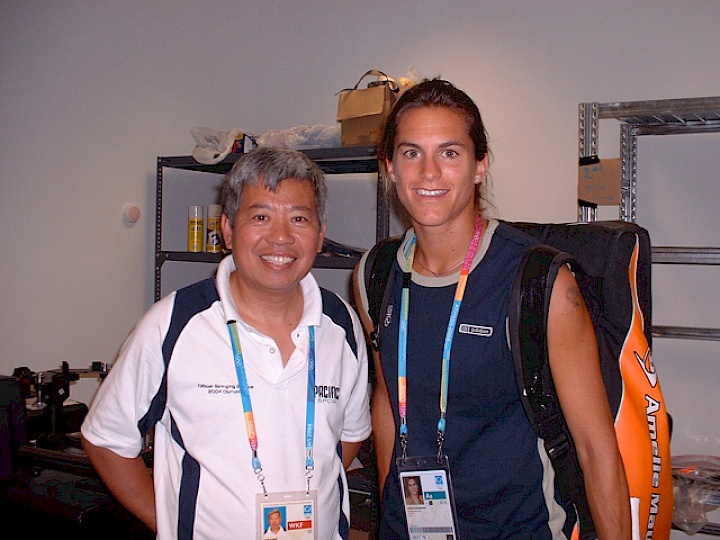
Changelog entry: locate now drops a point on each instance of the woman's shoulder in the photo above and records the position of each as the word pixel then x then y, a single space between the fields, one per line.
pixel 507 232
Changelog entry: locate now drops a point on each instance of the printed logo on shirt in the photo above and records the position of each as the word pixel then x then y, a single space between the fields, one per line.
pixel 214 389
pixel 327 394
pixel 476 330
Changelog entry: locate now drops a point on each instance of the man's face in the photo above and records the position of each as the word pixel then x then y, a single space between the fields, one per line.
pixel 276 236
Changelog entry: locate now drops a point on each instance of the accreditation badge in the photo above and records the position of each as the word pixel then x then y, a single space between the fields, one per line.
pixel 428 498
pixel 289 515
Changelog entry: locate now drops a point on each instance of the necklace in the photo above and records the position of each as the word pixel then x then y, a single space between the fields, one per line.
pixel 438 274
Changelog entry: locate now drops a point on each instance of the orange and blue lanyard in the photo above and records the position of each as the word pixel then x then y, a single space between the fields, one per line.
pixel 247 405
pixel 449 335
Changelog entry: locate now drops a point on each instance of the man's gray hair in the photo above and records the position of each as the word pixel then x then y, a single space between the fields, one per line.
pixel 268 167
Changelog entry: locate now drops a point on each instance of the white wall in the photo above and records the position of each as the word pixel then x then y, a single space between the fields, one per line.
pixel 92 91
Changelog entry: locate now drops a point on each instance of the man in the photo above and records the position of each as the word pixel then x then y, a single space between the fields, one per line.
pixel 255 381
pixel 275 530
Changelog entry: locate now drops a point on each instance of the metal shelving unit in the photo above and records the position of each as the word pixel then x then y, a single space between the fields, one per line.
pixel 641 118
pixel 341 160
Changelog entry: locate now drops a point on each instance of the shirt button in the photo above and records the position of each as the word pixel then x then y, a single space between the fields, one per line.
pixel 272 350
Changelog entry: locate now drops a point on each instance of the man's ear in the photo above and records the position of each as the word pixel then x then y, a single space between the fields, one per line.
pixel 227 231
pixel 321 238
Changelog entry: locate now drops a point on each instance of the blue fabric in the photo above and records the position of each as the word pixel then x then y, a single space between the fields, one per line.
pixel 492 447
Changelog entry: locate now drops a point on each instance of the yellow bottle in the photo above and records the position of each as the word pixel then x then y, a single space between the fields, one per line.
pixel 196 228
pixel 213 238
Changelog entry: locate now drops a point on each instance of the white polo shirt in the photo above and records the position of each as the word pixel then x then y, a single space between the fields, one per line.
pixel 201 442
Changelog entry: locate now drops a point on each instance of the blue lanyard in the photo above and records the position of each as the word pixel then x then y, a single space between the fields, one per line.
pixel 449 335
pixel 247 405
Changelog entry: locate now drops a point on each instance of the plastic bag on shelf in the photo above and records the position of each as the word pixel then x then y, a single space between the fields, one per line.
pixel 302 137
pixel 410 78
pixel 212 145
pixel 696 487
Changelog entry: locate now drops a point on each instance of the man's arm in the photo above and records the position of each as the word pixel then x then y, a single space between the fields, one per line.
pixel 575 366
pixel 128 479
pixel 349 452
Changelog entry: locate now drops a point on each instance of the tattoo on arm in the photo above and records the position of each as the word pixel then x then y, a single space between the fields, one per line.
pixel 574 296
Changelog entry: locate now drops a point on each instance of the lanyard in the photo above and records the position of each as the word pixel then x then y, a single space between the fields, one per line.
pixel 449 335
pixel 247 405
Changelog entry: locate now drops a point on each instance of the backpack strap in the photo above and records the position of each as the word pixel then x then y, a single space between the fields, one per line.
pixel 378 263
pixel 528 316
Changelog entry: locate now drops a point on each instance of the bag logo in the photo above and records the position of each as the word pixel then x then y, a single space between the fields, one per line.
pixel 388 316
pixel 648 367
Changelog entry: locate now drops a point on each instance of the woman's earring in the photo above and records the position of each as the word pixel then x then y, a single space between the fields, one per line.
pixel 477 179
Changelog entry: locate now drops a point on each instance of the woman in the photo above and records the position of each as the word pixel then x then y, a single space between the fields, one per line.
pixel 413 494
pixel 452 305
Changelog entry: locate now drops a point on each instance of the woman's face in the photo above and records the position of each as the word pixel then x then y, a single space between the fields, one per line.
pixel 434 166
pixel 413 487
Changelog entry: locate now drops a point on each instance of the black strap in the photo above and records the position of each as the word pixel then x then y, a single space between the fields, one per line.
pixel 379 261
pixel 528 313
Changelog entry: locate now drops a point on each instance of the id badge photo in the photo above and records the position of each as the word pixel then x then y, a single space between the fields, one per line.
pixel 428 498
pixel 289 515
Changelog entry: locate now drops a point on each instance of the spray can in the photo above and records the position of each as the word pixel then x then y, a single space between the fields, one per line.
pixel 196 228
pixel 213 239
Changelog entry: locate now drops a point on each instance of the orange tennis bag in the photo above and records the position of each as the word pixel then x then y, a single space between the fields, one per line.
pixel 612 262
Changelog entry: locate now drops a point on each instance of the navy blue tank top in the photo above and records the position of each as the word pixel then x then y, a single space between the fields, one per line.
pixel 497 465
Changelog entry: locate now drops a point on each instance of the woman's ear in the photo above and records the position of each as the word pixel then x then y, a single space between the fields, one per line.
pixel 481 169
pixel 390 170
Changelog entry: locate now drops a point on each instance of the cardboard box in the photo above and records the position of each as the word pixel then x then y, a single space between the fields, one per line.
pixel 599 182
pixel 362 113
